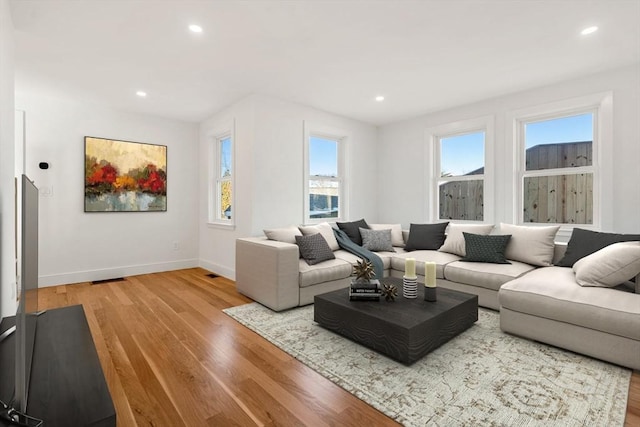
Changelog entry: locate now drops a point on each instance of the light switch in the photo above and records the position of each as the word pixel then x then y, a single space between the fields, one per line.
pixel 46 191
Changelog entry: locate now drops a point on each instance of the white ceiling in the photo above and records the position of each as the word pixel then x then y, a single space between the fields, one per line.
pixel 336 56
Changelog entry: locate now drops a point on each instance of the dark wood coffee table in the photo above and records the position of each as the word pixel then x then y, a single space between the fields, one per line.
pixel 405 329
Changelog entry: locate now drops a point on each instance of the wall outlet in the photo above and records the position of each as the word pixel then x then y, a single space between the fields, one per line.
pixel 176 246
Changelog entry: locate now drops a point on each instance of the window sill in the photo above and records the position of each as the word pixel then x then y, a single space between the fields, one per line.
pixel 316 221
pixel 565 232
pixel 221 225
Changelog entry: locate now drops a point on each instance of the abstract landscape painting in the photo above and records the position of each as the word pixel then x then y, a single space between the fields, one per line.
pixel 123 176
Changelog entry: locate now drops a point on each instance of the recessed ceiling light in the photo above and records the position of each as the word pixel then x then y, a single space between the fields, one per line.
pixel 195 28
pixel 589 30
pixel 379 98
pixel 141 93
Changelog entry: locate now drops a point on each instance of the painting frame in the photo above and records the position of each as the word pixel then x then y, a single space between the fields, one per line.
pixel 124 176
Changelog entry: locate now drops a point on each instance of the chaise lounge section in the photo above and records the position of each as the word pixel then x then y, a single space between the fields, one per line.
pixel 548 305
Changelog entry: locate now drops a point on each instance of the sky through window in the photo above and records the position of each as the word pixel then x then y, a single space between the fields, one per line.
pixel 462 154
pixel 323 157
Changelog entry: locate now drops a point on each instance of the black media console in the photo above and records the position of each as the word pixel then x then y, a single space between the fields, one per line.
pixel 67 386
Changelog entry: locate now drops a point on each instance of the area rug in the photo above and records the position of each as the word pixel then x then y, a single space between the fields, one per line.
pixel 481 377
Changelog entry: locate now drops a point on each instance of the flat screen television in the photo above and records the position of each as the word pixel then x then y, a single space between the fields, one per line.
pixel 26 320
pixel 27 312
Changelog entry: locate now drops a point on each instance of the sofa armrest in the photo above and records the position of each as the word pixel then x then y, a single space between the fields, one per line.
pixel 267 272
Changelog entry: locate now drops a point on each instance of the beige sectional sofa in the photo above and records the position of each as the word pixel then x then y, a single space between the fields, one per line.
pixel 544 303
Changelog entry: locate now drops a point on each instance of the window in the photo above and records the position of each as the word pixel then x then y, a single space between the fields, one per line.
pixel 461 181
pixel 557 168
pixel 324 182
pixel 222 179
pixel 224 184
pixel 324 187
pixel 460 153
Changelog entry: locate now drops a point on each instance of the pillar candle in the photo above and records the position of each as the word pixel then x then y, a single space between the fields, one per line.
pixel 410 267
pixel 430 274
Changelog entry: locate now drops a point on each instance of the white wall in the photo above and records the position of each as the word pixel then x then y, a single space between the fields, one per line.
pixel 278 163
pixel 269 172
pixel 217 243
pixel 76 246
pixel 7 204
pixel 402 148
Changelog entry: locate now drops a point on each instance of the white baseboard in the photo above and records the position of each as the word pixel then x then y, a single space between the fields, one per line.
pixel 218 269
pixel 112 273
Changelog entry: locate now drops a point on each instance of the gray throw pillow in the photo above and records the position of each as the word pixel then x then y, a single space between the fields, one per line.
pixel 426 236
pixel 314 249
pixel 480 248
pixel 377 240
pixel 454 243
pixel 396 232
pixel 323 228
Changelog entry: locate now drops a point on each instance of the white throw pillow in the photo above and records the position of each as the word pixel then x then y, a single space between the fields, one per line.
pixel 396 232
pixel 610 266
pixel 532 245
pixel 284 234
pixel 454 242
pixel 325 230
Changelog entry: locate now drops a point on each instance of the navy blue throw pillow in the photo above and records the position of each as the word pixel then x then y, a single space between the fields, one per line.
pixel 352 229
pixel 426 236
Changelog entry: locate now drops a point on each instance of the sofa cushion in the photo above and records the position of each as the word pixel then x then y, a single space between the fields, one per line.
pixel 454 242
pixel 425 236
pixel 314 249
pixel 553 293
pixel 489 276
pixel 485 248
pixel 396 232
pixel 325 229
pixel 335 269
pixel 284 234
pixel 533 245
pixel 440 258
pixel 353 259
pixel 376 240
pixel 610 266
pixel 352 229
pixel 585 242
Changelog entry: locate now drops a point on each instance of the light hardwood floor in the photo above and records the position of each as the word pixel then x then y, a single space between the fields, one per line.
pixel 172 358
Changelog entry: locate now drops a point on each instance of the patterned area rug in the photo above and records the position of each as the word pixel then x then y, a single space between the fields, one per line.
pixel 481 377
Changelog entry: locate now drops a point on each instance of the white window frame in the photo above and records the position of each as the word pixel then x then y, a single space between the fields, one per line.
pixel 342 137
pixel 600 105
pixel 433 136
pixel 215 179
